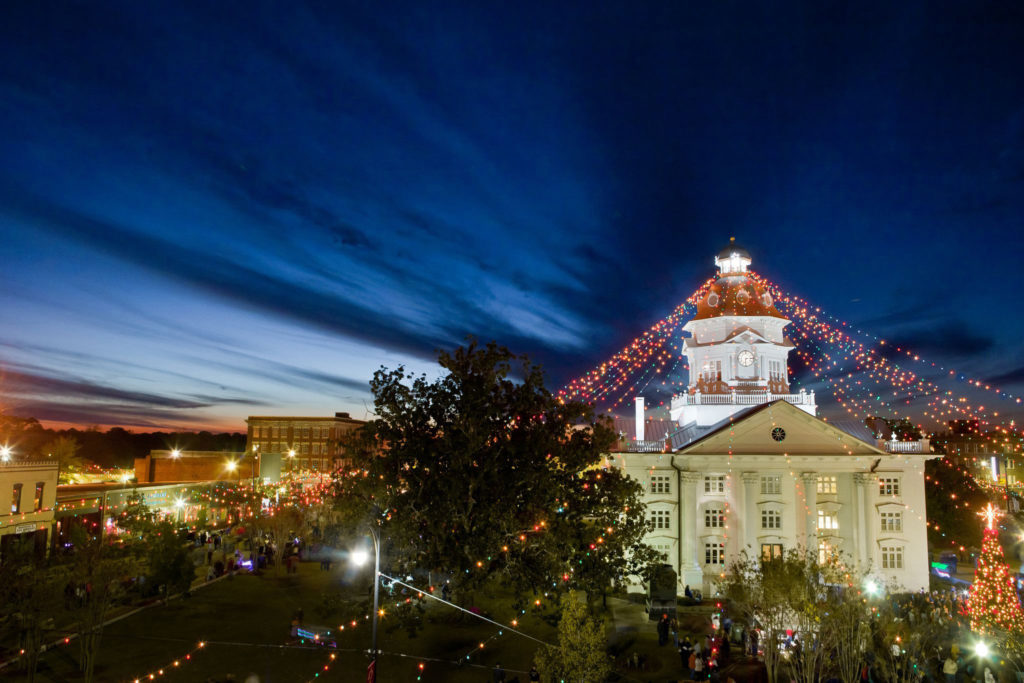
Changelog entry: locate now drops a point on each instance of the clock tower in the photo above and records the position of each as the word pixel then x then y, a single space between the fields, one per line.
pixel 737 351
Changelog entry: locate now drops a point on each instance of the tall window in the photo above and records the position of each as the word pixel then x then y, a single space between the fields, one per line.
pixel 316 449
pixel 714 518
pixel 16 499
pixel 660 483
pixel 889 486
pixel 892 521
pixel 771 485
pixel 714 553
pixel 892 557
pixel 714 483
pixel 771 551
pixel 771 519
pixel 37 501
pixel 305 432
pixel 827 484
pixel 305 448
pixel 827 520
pixel 660 519
pixel 713 370
pixel 826 553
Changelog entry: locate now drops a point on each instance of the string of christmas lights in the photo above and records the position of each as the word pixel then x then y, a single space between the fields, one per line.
pixel 172 666
pixel 864 372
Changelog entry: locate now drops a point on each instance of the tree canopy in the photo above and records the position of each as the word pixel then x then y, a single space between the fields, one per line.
pixel 483 472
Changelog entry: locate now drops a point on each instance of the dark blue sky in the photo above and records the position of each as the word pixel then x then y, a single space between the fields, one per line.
pixel 214 211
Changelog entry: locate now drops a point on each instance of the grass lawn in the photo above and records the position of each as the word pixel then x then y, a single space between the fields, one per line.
pixel 246 623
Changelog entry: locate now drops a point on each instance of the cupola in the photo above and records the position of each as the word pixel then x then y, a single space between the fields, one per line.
pixel 733 259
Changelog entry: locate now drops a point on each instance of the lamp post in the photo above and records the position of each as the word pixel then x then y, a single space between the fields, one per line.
pixel 291 462
pixel 359 558
pixel 255 458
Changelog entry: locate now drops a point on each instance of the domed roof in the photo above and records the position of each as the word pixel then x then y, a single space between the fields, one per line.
pixel 733 248
pixel 736 295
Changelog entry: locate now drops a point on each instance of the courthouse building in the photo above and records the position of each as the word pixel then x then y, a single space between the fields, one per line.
pixel 744 465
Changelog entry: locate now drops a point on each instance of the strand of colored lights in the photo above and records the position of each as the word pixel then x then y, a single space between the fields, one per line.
pixel 173 666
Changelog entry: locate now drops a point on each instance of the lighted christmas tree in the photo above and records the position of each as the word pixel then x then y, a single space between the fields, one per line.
pixel 993 602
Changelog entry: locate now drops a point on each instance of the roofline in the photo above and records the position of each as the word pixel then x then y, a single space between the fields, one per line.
pixel 737 417
pixel 285 418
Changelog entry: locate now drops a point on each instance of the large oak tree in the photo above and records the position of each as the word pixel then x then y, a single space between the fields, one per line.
pixel 482 472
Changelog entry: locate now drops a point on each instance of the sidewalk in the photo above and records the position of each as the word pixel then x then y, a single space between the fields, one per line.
pixel 632 632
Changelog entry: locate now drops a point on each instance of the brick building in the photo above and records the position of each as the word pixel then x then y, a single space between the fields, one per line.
pixel 303 443
pixel 164 467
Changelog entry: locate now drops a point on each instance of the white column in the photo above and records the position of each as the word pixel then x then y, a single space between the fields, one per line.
pixel 810 483
pixel 750 525
pixel 690 573
pixel 864 482
pixel 860 532
pixel 640 421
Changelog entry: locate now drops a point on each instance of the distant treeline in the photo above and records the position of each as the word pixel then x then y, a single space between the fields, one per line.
pixel 114 447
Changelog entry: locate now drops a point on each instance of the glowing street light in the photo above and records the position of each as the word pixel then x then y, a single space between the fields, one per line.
pixel 255 460
pixel 232 465
pixel 359 558
pixel 5 453
pixel 981 649
pixel 871 587
pixel 175 453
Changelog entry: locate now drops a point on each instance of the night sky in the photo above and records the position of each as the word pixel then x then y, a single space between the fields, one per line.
pixel 211 210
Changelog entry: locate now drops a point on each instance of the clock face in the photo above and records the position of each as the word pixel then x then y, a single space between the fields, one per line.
pixel 746 358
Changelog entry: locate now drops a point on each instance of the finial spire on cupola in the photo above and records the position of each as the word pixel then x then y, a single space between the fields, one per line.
pixel 733 259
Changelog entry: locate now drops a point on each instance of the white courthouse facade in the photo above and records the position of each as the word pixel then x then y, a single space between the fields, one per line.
pixel 744 465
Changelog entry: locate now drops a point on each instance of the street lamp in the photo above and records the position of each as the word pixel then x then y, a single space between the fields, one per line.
pixel 175 453
pixel 255 457
pixel 291 461
pixel 981 649
pixel 5 453
pixel 359 558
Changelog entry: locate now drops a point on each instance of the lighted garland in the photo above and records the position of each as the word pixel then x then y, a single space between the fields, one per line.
pixel 862 371
pixel 172 666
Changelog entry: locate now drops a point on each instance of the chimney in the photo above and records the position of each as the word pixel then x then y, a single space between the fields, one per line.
pixel 640 418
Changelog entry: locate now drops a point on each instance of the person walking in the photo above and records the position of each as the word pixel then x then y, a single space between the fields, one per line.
pixel 698 669
pixel 663 629
pixel 499 674
pixel 685 650
pixel 949 669
pixel 534 674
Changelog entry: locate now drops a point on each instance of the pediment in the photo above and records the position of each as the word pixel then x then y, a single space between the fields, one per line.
pixel 747 335
pixel 750 433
